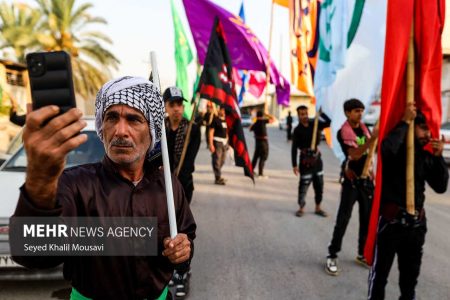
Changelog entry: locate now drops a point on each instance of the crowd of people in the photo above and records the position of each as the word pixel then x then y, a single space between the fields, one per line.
pixel 129 118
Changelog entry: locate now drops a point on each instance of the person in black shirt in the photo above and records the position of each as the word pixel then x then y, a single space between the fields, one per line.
pixel 354 138
pixel 311 166
pixel 399 232
pixel 261 141
pixel 289 126
pixel 176 131
pixel 218 141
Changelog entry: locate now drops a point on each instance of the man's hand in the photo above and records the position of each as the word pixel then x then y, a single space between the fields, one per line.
pixel 296 171
pixel 437 146
pixel 410 112
pixel 375 133
pixel 177 250
pixel 212 149
pixel 46 147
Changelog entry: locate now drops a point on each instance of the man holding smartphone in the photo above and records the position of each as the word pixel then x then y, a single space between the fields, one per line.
pixel 129 118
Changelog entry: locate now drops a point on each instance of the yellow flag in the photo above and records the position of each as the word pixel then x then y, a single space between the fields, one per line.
pixel 303 20
pixel 284 3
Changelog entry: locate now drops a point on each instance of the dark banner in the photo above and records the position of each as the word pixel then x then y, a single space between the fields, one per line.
pixel 217 85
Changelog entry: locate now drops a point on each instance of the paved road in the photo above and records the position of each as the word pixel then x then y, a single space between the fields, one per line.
pixel 251 246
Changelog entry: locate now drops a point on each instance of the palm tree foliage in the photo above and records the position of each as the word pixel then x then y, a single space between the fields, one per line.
pixel 65 26
pixel 17 26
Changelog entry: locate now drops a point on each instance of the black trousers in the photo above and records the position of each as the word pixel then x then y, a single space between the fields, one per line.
pixel 218 158
pixel 316 177
pixel 312 174
pixel 289 133
pixel 407 243
pixel 261 153
pixel 361 191
pixel 188 186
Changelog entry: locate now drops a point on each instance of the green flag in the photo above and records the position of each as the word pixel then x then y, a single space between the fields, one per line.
pixel 197 79
pixel 183 56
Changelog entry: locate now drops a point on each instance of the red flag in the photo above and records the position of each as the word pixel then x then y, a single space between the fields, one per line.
pixel 428 26
pixel 256 83
pixel 217 84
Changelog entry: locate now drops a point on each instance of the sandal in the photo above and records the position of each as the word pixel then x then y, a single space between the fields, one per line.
pixel 299 213
pixel 321 213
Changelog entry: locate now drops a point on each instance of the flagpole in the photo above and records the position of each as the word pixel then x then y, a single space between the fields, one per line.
pixel 410 135
pixel 268 58
pixel 188 136
pixel 368 163
pixel 165 156
pixel 315 128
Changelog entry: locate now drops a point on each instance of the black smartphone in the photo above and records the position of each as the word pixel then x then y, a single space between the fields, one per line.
pixel 51 83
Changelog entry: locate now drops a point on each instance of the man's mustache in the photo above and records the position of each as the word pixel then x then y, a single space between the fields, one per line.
pixel 121 142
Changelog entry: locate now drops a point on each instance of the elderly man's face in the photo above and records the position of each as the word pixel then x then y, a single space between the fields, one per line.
pixel 126 135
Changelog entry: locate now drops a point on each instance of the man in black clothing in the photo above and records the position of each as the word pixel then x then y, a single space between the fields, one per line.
pixel 218 141
pixel 399 232
pixel 354 138
pixel 127 183
pixel 311 166
pixel 261 141
pixel 289 126
pixel 176 130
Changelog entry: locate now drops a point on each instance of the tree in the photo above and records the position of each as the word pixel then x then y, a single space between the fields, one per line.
pixel 60 25
pixel 18 22
pixel 65 28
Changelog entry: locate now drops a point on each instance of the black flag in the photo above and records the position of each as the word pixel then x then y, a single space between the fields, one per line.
pixel 217 84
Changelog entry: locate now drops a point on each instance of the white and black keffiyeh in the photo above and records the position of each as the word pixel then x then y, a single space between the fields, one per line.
pixel 135 92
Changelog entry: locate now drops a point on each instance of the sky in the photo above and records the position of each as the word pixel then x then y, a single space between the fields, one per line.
pixel 137 27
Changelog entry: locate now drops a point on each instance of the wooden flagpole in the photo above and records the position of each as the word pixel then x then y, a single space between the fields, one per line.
pixel 188 136
pixel 410 135
pixel 315 128
pixel 368 163
pixel 268 59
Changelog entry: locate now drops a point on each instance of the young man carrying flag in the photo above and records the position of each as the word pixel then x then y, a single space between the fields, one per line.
pixel 355 139
pixel 177 135
pixel 310 167
pixel 399 232
pixel 398 223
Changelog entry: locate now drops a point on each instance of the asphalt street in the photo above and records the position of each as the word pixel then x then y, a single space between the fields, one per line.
pixel 250 245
